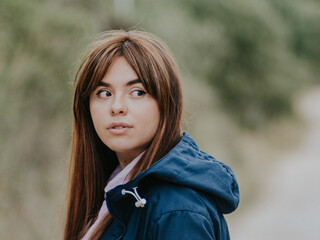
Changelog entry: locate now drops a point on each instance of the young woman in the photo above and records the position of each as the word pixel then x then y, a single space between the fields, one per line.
pixel 133 173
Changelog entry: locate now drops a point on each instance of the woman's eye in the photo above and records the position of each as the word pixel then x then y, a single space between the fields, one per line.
pixel 104 94
pixel 138 93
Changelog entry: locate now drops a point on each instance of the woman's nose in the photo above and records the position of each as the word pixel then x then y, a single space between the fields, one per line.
pixel 118 107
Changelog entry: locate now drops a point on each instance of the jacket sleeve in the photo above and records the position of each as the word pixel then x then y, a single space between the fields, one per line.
pixel 183 225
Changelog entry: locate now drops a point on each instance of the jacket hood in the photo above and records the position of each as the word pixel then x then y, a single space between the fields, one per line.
pixel 186 165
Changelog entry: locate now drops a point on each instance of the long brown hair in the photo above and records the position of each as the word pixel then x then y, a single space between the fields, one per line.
pixel 91 161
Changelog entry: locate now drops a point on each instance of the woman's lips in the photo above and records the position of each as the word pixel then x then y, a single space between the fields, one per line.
pixel 119 128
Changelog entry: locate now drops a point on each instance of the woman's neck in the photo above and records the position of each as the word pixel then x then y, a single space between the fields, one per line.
pixel 126 158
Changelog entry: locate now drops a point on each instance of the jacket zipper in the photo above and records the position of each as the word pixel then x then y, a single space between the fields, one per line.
pixel 123 231
pixel 121 236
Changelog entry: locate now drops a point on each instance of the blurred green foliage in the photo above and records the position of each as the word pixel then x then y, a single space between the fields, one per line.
pixel 255 54
pixel 266 51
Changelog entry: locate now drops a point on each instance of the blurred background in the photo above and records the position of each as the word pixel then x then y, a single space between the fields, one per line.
pixel 251 83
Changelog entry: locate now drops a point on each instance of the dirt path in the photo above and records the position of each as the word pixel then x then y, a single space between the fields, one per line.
pixel 290 203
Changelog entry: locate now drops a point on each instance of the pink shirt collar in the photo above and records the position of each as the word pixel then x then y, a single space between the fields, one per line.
pixel 118 177
pixel 121 176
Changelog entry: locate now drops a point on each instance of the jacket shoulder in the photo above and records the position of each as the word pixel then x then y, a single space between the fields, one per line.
pixel 164 197
pixel 172 207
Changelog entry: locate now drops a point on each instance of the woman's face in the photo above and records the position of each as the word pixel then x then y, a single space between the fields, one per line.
pixel 124 115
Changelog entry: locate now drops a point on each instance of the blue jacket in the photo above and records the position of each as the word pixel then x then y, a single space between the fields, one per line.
pixel 182 196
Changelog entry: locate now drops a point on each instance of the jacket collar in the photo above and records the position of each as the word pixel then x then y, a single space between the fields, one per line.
pixel 185 165
pixel 121 205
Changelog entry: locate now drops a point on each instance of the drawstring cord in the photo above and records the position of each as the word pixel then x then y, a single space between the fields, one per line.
pixel 140 201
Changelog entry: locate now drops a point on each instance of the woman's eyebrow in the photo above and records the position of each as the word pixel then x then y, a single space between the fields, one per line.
pixel 104 84
pixel 132 82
